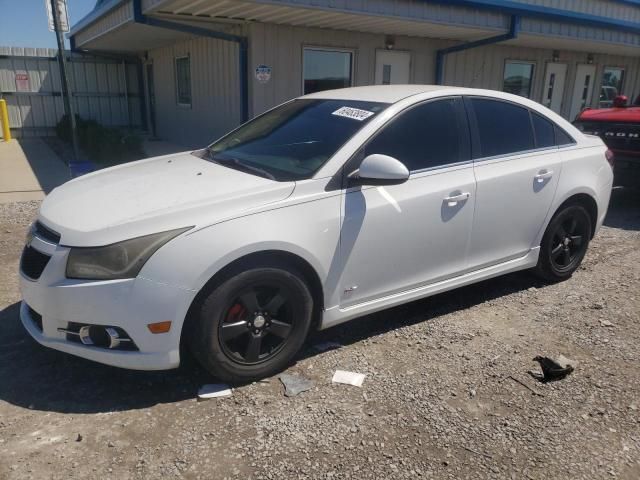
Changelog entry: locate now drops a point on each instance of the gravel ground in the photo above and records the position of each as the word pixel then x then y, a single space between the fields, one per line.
pixel 447 394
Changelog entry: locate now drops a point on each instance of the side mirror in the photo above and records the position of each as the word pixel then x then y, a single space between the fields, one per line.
pixel 379 169
pixel 620 101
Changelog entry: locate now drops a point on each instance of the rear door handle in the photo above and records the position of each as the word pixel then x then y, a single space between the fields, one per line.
pixel 543 175
pixel 453 200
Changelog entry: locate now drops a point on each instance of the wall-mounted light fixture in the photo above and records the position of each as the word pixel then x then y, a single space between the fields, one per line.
pixel 555 56
pixel 389 42
pixel 590 58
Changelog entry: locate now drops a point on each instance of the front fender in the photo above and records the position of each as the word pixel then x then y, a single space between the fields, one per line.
pixel 309 230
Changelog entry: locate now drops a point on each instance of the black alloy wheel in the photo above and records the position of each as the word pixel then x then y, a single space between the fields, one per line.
pixel 565 243
pixel 257 324
pixel 568 242
pixel 252 324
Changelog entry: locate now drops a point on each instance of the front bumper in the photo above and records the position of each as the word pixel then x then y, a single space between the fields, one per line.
pixel 122 359
pixel 130 304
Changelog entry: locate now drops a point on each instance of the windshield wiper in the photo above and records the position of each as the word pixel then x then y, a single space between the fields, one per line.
pixel 241 165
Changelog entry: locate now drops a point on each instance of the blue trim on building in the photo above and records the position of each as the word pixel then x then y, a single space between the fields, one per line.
pixel 633 3
pixel 514 29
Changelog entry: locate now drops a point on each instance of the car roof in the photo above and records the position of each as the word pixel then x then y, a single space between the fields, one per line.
pixel 396 93
pixel 377 93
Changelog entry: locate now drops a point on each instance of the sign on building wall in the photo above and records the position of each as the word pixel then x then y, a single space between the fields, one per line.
pixel 263 73
pixel 22 81
pixel 63 15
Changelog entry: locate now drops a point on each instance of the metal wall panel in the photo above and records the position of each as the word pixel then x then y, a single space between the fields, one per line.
pixel 100 91
pixel 599 8
pixel 484 68
pixel 545 27
pixel 215 91
pixel 281 47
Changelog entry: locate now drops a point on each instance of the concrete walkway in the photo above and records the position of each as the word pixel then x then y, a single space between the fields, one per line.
pixel 29 170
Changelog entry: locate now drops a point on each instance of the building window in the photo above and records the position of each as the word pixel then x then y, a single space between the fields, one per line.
pixel 612 78
pixel 518 78
pixel 325 69
pixel 183 81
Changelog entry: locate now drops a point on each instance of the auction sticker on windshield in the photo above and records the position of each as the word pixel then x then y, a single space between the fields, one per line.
pixel 353 113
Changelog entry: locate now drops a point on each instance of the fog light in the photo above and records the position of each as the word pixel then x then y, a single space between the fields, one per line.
pixel 160 327
pixel 100 336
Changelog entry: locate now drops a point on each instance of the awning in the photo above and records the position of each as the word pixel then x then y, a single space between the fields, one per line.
pixel 113 26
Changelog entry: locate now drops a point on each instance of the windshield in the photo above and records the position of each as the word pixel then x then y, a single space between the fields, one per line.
pixel 292 141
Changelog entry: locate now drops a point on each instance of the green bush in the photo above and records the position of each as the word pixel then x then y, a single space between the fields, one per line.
pixel 63 128
pixel 102 144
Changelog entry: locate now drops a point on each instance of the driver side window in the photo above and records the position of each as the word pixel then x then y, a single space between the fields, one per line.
pixel 425 136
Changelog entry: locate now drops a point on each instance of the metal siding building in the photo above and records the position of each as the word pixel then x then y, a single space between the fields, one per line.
pixel 105 89
pixel 215 87
pixel 564 53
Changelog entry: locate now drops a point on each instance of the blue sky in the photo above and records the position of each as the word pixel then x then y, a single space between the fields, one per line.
pixel 23 23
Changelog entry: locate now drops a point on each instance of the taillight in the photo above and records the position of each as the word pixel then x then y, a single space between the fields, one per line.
pixel 610 157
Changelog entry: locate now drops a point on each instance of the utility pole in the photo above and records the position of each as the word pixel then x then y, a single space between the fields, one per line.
pixel 66 90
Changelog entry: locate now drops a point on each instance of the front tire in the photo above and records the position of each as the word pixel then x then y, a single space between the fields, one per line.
pixel 252 325
pixel 564 243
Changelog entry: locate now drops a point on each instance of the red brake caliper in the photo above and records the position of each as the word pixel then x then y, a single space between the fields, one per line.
pixel 235 313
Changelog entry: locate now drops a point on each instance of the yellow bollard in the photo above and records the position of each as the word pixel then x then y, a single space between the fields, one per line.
pixel 4 120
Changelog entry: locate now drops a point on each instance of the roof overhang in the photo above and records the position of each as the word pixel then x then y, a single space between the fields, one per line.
pixel 133 38
pixel 440 25
pixel 113 26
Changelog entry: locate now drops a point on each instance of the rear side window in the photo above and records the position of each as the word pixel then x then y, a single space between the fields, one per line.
pixel 544 131
pixel 503 128
pixel 563 138
pixel 425 136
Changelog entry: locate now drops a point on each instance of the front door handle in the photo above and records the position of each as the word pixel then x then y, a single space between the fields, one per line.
pixel 453 200
pixel 543 175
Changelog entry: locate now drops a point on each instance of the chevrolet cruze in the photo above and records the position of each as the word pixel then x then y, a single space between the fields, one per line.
pixel 325 208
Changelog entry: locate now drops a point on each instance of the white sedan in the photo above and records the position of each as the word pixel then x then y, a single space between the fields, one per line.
pixel 328 207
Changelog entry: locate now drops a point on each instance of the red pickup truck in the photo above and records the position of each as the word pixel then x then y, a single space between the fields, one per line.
pixel 619 127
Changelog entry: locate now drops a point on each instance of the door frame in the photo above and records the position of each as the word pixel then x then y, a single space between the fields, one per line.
pixel 600 76
pixel 149 94
pixel 375 62
pixel 564 89
pixel 593 89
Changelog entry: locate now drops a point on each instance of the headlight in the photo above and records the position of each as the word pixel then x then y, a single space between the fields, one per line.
pixel 119 260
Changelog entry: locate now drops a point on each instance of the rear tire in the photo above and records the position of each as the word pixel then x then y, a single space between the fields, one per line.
pixel 252 324
pixel 564 243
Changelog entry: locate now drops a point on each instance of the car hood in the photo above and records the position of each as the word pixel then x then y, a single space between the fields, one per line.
pixel 154 195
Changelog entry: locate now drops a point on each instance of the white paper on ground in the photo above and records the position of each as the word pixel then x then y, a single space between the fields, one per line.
pixel 348 378
pixel 214 390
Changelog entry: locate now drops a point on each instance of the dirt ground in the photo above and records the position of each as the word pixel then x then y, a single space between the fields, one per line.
pixel 442 397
